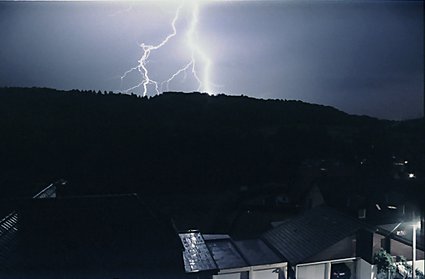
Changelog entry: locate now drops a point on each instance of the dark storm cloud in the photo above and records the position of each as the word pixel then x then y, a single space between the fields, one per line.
pixel 363 57
pixel 358 56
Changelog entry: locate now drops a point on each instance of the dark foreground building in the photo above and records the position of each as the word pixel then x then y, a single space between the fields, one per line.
pixel 89 237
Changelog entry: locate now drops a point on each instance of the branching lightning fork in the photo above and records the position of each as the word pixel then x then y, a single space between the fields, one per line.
pixel 197 55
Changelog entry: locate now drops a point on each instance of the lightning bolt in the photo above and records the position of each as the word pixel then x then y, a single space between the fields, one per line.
pixel 196 56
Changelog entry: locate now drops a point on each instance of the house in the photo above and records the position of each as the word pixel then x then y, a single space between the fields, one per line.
pixel 321 243
pixel 375 201
pixel 112 236
pixel 220 257
pixel 9 223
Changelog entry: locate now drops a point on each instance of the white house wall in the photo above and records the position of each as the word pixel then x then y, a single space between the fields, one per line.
pixel 236 275
pixel 265 274
pixel 322 270
pixel 313 271
pixel 254 272
pixel 365 270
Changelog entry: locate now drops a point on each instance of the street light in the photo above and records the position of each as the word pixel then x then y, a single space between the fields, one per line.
pixel 416 225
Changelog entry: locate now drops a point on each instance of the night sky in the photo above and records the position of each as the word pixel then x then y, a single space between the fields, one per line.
pixel 363 57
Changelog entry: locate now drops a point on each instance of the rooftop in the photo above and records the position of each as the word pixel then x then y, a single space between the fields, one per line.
pixel 224 252
pixel 308 234
pixel 91 236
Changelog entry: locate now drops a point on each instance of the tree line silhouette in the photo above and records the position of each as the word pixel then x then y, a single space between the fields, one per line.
pixel 103 142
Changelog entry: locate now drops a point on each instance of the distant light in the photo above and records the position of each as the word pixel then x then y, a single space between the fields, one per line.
pixel 405 162
pixel 378 207
pixel 417 225
pixel 412 175
pixel 401 232
pixel 392 207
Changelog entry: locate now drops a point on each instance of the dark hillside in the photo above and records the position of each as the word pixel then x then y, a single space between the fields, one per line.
pixel 175 142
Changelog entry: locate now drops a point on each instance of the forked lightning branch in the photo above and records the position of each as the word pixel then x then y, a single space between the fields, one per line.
pixel 198 63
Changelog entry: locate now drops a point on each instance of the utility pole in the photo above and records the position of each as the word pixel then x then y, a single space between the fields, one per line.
pixel 416 225
pixel 414 252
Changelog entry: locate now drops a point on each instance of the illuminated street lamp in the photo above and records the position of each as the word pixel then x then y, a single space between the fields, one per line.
pixel 416 225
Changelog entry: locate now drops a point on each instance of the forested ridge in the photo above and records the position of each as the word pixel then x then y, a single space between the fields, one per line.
pixel 182 142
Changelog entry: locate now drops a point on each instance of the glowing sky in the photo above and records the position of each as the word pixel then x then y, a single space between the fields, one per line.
pixel 363 57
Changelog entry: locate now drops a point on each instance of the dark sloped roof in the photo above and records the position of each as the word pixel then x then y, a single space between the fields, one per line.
pixel 256 252
pixel 9 228
pixel 8 232
pixel 304 236
pixel 225 254
pixel 96 237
